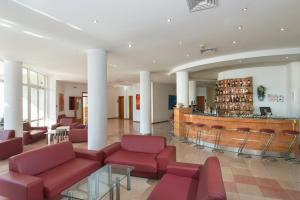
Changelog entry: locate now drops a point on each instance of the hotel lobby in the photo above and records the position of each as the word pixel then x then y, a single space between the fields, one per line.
pixel 149 100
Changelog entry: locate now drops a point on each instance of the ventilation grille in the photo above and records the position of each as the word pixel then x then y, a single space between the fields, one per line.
pixel 197 5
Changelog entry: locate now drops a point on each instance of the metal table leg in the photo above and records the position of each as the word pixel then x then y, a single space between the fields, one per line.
pixel 128 180
pixel 117 188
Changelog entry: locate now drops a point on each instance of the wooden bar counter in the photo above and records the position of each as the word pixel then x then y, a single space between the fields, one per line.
pixel 230 138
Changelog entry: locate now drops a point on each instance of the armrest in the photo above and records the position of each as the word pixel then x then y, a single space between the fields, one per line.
pixel 165 157
pixel 73 125
pixel 11 147
pixel 110 149
pixel 22 187
pixel 184 169
pixel 39 128
pixel 90 154
pixel 54 126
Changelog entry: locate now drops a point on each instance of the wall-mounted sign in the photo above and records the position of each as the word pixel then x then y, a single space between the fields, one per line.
pixel 275 98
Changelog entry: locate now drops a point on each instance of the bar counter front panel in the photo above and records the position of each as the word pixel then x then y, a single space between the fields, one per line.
pixel 231 138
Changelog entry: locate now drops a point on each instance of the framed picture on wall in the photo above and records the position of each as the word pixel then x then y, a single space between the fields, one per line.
pixel 172 102
pixel 61 102
pixel 138 98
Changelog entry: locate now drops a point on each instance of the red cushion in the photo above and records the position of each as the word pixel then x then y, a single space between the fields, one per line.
pixel 143 144
pixel 211 186
pixel 40 160
pixel 175 188
pixel 7 134
pixel 142 162
pixel 66 121
pixel 60 178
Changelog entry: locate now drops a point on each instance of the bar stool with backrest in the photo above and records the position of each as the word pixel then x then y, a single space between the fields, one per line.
pixel 217 130
pixel 199 135
pixel 294 134
pixel 266 147
pixel 246 132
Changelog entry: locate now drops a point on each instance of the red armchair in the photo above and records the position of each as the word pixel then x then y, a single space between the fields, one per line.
pixel 9 145
pixel 44 173
pixel 33 134
pixel 78 135
pixel 185 181
pixel 65 121
pixel 149 155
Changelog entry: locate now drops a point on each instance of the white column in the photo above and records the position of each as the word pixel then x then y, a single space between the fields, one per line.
pixel 192 91
pixel 52 97
pixel 145 108
pixel 97 98
pixel 13 94
pixel 293 99
pixel 182 87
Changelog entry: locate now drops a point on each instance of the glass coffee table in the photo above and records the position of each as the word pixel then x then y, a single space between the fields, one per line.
pixel 100 183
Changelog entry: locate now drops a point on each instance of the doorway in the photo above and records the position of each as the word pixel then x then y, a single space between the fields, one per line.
pixel 130 107
pixel 201 103
pixel 121 107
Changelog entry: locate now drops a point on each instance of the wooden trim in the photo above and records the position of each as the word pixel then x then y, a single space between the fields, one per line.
pixel 160 122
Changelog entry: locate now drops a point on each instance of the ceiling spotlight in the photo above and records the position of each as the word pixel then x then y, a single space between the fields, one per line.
pixel 129 45
pixel 169 20
pixel 286 57
pixel 245 9
pixel 95 21
pixel 187 55
pixel 240 27
pixel 234 42
pixel 282 29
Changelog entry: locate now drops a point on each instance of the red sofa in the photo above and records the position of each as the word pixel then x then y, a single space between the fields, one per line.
pixel 33 134
pixel 149 155
pixel 65 121
pixel 185 181
pixel 44 173
pixel 9 144
pixel 78 135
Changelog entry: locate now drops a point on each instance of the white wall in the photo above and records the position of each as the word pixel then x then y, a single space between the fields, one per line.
pixel 160 101
pixel 113 94
pixel 132 90
pixel 201 91
pixel 276 79
pixel 59 90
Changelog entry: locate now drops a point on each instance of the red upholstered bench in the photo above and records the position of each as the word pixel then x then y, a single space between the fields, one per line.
pixel 78 135
pixel 185 181
pixel 149 155
pixel 44 173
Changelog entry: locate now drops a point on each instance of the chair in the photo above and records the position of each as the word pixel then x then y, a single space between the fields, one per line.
pixel 217 130
pixel 246 132
pixel 65 121
pixel 266 147
pixel 199 134
pixel 33 134
pixel 294 135
pixel 9 144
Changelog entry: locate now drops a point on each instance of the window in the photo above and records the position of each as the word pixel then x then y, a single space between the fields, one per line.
pixel 25 103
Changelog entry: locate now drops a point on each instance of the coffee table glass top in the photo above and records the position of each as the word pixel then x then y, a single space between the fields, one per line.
pixel 98 184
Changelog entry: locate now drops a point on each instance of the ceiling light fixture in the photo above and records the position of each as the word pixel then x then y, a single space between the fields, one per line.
pixel 245 9
pixel 234 42
pixel 154 61
pixel 180 43
pixel 34 34
pixel 129 45
pixel 282 29
pixel 187 55
pixel 5 25
pixel 169 20
pixel 240 27
pixel 286 57
pixel 95 21
pixel 74 27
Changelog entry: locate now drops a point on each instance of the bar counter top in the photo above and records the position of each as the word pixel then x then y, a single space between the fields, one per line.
pixel 230 136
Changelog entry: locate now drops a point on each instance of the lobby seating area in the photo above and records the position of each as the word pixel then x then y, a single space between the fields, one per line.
pixel 9 144
pixel 33 134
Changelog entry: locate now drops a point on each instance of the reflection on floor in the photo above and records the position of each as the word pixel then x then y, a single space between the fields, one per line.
pixel 245 179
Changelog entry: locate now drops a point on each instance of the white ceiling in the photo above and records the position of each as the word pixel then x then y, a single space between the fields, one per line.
pixel 143 24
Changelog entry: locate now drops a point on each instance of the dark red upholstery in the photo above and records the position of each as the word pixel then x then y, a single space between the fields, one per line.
pixel 46 172
pixel 78 135
pixel 149 155
pixel 65 121
pixel 191 182
pixel 9 145
pixel 3 198
pixel 90 154
pixel 33 134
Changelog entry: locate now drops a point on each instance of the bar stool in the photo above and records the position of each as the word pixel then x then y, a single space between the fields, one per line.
pixel 266 148
pixel 294 134
pixel 217 130
pixel 246 131
pixel 187 128
pixel 199 133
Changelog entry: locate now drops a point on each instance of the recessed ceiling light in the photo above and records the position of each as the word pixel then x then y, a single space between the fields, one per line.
pixel 5 25
pixel 282 29
pixel 286 57
pixel 169 20
pixel 180 43
pixel 234 42
pixel 245 9
pixel 240 27
pixel 95 21
pixel 187 55
pixel 34 34
pixel 129 45
pixel 74 27
pixel 154 61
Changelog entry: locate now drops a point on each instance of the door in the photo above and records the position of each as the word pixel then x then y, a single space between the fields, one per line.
pixel 121 107
pixel 201 103
pixel 130 107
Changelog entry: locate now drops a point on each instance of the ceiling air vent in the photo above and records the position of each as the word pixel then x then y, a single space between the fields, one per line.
pixel 197 5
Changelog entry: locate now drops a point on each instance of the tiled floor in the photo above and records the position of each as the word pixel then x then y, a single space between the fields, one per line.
pixel 245 179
